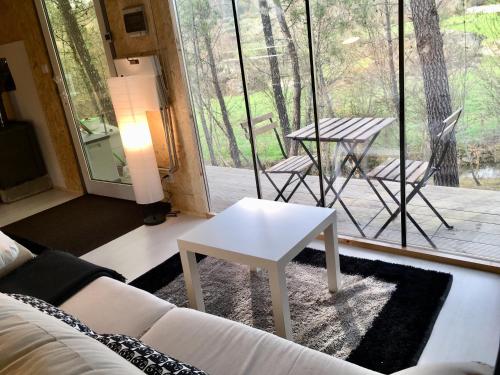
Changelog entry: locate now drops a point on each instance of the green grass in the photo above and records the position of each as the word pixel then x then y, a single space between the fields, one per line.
pixel 267 145
pixel 479 126
pixel 485 25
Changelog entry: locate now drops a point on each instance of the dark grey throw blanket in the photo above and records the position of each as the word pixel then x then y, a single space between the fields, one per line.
pixel 54 276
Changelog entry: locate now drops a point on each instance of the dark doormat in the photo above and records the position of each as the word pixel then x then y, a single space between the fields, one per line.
pixel 78 226
pixel 381 319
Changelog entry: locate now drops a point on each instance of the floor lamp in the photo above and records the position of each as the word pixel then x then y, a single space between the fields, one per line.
pixel 132 97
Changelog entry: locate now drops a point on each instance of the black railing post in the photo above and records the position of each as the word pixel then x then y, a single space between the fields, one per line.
pixel 402 132
pixel 245 96
pixel 315 107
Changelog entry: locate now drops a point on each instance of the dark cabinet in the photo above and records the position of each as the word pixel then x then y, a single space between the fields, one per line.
pixel 20 156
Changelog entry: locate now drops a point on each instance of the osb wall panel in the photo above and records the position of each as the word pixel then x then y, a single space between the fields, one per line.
pixel 187 190
pixel 19 21
pixel 158 136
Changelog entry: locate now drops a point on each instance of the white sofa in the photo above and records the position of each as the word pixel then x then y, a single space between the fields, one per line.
pixel 33 342
pixel 213 344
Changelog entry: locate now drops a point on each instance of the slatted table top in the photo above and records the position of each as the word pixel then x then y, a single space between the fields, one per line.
pixel 347 129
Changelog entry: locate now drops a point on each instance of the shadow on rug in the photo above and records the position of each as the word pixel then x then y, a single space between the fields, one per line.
pixel 381 319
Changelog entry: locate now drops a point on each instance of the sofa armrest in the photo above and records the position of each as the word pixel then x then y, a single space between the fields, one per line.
pixel 32 342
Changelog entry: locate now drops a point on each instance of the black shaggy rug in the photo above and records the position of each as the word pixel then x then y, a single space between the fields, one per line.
pixel 381 319
pixel 77 226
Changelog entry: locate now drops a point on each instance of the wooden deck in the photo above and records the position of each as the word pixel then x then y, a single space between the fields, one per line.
pixel 475 214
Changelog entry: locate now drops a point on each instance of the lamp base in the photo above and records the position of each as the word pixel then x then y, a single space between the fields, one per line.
pixel 154 219
pixel 155 213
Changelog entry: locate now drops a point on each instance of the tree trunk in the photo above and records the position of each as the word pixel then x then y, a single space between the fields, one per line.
pixel 437 92
pixel 197 97
pixel 206 130
pixel 279 98
pixel 323 96
pixel 75 35
pixel 297 85
pixel 85 79
pixel 390 58
pixel 233 146
pixel 323 92
pixel 309 111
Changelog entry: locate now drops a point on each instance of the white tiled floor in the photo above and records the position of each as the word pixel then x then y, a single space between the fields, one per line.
pixel 467 329
pixel 136 252
pixel 11 212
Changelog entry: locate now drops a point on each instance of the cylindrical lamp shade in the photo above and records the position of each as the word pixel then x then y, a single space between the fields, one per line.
pixel 132 97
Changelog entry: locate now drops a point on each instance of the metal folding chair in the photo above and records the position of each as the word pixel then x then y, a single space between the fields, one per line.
pixel 296 166
pixel 417 175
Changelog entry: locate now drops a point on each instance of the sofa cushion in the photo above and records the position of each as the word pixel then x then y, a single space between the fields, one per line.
pixel 220 346
pixel 109 306
pixel 147 359
pixel 12 254
pixel 35 343
pixel 8 250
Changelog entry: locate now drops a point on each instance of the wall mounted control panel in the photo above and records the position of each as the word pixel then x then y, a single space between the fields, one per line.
pixel 135 21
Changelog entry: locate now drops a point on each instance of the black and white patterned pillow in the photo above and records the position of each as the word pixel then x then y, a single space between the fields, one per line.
pixel 57 313
pixel 145 358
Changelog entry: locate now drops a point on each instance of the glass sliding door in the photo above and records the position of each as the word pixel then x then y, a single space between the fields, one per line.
pixel 457 68
pixel 210 53
pixel 80 61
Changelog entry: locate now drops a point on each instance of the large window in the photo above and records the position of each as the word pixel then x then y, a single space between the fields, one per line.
pixel 352 112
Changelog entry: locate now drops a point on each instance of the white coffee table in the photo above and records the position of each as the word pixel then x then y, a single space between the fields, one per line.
pixel 265 234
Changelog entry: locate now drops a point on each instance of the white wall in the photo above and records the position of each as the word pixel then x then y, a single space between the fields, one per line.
pixel 28 107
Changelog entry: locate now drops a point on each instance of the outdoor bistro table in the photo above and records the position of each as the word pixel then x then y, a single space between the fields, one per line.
pixel 348 133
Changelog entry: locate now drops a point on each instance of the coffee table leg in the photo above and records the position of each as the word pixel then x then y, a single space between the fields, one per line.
pixel 192 280
pixel 332 256
pixel 279 297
